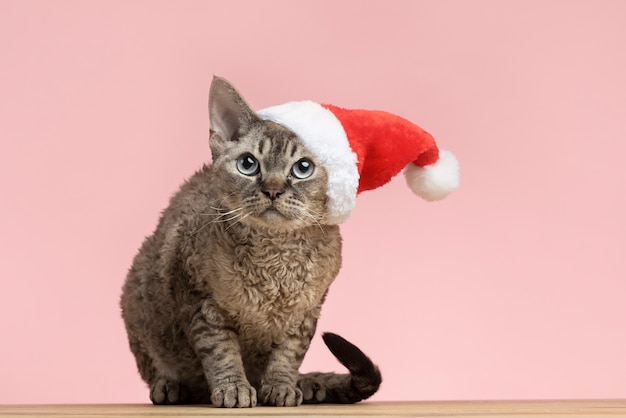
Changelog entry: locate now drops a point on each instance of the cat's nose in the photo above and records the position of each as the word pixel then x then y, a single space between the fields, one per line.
pixel 273 194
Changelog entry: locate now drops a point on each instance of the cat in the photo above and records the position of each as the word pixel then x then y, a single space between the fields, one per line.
pixel 222 300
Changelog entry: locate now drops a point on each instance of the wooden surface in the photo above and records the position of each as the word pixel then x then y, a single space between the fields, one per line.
pixel 473 409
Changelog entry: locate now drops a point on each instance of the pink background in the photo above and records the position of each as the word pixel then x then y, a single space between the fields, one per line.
pixel 513 287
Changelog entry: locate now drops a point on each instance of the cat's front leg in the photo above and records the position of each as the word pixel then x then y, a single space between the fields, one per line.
pixel 217 346
pixel 278 384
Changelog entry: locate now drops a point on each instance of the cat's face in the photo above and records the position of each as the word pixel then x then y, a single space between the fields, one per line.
pixel 266 176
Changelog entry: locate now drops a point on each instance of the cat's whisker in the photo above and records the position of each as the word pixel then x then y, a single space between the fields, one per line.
pixel 241 218
pixel 221 219
pixel 232 218
pixel 201 228
pixel 221 213
pixel 221 210
pixel 213 214
pixel 219 207
pixel 318 215
pixel 228 213
pixel 314 219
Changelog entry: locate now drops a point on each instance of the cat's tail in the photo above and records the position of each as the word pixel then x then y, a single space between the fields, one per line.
pixel 362 382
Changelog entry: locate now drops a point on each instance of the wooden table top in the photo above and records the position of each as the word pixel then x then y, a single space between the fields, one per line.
pixel 469 409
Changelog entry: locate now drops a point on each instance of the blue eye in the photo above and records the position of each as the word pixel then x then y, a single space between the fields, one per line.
pixel 303 169
pixel 248 165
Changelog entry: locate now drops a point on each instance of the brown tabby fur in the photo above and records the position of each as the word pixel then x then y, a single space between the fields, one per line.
pixel 222 301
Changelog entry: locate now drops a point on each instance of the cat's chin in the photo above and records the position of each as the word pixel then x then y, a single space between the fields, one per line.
pixel 274 217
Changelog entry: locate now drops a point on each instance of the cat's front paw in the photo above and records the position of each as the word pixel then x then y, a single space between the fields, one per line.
pixel 230 395
pixel 165 392
pixel 280 395
pixel 313 390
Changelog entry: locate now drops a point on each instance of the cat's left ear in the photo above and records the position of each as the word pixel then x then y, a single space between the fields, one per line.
pixel 229 113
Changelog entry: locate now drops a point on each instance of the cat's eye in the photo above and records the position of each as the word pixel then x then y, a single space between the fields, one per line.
pixel 248 165
pixel 303 169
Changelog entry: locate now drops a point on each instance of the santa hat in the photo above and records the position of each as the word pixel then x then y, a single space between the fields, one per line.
pixel 363 149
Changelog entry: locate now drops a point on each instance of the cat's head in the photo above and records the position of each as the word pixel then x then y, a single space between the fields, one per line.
pixel 265 175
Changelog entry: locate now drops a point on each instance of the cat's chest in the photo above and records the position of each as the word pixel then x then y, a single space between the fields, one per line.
pixel 270 285
pixel 278 278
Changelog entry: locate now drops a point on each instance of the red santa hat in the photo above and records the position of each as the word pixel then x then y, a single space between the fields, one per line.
pixel 363 149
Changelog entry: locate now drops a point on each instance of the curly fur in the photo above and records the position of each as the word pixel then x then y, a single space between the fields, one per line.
pixel 222 300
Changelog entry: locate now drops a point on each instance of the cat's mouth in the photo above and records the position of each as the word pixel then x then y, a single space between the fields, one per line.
pixel 273 215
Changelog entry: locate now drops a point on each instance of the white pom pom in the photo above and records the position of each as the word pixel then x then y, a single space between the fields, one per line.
pixel 435 181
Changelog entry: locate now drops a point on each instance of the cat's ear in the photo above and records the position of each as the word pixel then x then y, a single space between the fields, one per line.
pixel 229 113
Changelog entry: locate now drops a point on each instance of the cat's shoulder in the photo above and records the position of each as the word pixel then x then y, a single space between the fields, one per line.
pixel 196 195
pixel 199 187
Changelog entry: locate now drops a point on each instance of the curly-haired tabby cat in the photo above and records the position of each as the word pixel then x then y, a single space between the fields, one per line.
pixel 222 301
